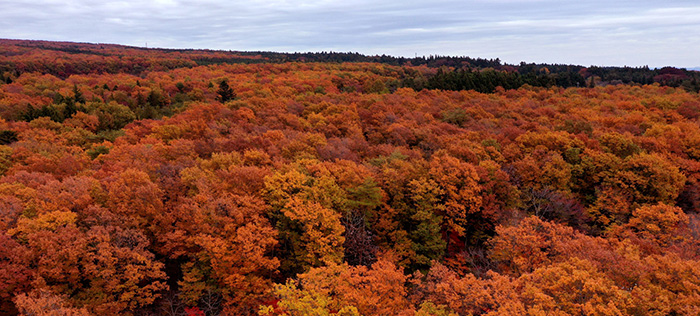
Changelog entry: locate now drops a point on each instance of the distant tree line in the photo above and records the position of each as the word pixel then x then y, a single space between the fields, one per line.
pixel 468 73
pixel 456 72
pixel 430 61
pixel 487 81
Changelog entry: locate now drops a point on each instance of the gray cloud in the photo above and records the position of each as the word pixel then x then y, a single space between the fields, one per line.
pixel 594 32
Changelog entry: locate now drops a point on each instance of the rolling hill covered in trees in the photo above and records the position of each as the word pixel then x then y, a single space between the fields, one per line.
pixel 191 182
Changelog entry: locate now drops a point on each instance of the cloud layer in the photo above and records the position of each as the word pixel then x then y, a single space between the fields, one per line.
pixel 594 32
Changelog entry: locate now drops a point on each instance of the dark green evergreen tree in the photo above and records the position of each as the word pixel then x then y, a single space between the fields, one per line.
pixel 77 95
pixel 225 92
pixel 7 137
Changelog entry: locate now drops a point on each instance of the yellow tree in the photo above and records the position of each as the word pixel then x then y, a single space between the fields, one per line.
pixel 321 242
pixel 305 210
pixel 294 301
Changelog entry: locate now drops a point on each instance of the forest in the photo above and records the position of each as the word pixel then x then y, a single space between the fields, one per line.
pixel 192 182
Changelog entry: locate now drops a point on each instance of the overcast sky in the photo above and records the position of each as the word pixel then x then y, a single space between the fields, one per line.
pixel 586 32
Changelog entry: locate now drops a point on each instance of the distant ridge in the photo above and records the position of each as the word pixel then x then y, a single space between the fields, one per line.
pixel 453 72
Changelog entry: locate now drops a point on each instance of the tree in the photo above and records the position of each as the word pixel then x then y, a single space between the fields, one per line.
pixel 659 224
pixel 294 301
pixel 321 240
pixel 44 303
pixel 669 286
pixel 136 198
pixel 15 273
pixel 426 235
pixel 304 209
pixel 223 243
pixel 444 287
pixel 225 92
pixel 531 244
pixel 459 185
pixel 106 268
pixel 359 245
pixel 7 137
pixel 651 178
pixel 574 287
pixel 77 95
pixel 376 290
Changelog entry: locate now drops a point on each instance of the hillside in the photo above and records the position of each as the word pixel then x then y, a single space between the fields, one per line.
pixel 181 182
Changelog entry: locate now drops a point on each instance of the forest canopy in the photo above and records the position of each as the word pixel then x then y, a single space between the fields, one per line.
pixel 163 182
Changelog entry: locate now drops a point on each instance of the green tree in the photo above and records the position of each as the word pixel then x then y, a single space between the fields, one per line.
pixel 77 95
pixel 426 233
pixel 225 92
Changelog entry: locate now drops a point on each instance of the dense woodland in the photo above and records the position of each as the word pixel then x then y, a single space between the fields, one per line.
pixel 153 182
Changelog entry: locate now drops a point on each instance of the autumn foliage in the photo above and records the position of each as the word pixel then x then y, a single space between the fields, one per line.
pixel 329 189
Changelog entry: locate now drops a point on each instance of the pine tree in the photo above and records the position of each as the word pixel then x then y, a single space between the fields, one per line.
pixel 77 95
pixel 225 92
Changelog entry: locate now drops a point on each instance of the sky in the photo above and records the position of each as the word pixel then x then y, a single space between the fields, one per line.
pixel 593 32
